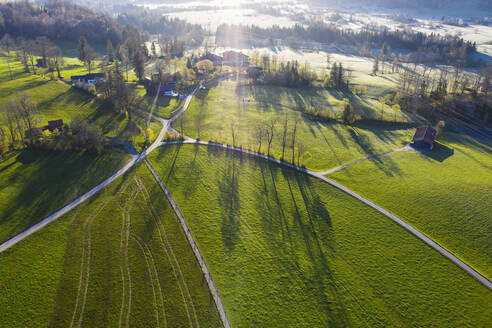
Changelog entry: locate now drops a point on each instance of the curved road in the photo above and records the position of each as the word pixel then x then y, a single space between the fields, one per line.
pixel 319 175
pixel 135 159
pixel 158 142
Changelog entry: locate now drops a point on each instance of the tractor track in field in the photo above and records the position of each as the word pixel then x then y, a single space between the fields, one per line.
pixel 178 274
pixel 158 283
pixel 124 261
pixel 85 264
pixel 151 277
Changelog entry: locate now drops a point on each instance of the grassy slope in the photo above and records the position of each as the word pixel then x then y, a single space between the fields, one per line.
pixel 33 184
pixel 57 100
pixel 39 288
pixel 211 112
pixel 286 250
pixel 448 198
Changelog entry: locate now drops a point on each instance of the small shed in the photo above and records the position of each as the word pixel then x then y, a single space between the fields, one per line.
pixel 56 124
pixel 41 63
pixel 425 135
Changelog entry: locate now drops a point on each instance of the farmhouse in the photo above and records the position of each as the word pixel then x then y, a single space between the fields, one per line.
pixel 85 81
pixel 425 135
pixel 234 58
pixel 215 59
pixel 167 90
pixel 56 124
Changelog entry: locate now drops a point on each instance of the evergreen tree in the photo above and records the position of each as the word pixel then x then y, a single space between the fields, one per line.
pixel 82 49
pixel 110 51
pixel 340 76
pixel 375 67
pixel 333 74
pixel 139 65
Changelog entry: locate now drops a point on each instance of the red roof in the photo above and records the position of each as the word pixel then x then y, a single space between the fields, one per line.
pixel 425 134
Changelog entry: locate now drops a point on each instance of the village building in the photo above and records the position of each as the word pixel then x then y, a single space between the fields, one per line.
pixel 234 58
pixel 167 89
pixel 85 81
pixel 215 59
pixel 55 124
pixel 425 135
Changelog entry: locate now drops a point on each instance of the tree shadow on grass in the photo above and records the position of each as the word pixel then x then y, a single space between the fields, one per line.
pixel 317 232
pixel 389 167
pixel 194 171
pixel 45 189
pixel 229 202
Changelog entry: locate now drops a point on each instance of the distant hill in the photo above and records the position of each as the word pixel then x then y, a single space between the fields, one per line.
pixel 434 7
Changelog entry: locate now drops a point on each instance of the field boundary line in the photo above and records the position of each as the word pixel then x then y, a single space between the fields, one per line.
pixel 165 245
pixel 151 208
pixel 208 277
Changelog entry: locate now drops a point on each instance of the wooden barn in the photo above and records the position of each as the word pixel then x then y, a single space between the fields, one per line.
pixel 425 135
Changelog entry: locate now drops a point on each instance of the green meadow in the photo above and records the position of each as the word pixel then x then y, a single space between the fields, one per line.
pixel 445 193
pixel 57 100
pixel 120 258
pixel 34 184
pixel 322 145
pixel 287 250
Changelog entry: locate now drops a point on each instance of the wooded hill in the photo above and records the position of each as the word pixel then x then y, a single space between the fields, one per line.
pixel 58 20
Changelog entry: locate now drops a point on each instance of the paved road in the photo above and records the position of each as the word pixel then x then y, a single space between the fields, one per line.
pixel 135 159
pixel 320 175
pixel 158 142
pixel 199 257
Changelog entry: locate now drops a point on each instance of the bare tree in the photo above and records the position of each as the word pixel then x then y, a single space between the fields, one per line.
pixel 31 49
pixel 55 60
pixel 270 133
pixel 285 126
pixel 43 45
pixel 300 152
pixel 259 133
pixel 233 132
pixel 28 110
pixel 294 131
pixel 8 43
pixel 9 120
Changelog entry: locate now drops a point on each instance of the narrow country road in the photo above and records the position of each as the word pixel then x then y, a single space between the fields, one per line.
pixel 135 159
pixel 320 175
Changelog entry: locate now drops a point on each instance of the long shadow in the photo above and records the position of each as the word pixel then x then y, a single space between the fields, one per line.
pixel 193 170
pixel 229 202
pixel 332 303
pixel 440 152
pixel 389 167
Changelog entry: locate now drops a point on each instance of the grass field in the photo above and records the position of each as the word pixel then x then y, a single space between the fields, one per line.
pixel 445 193
pixel 212 112
pixel 286 250
pixel 120 257
pixel 33 184
pixel 57 100
pixel 165 107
